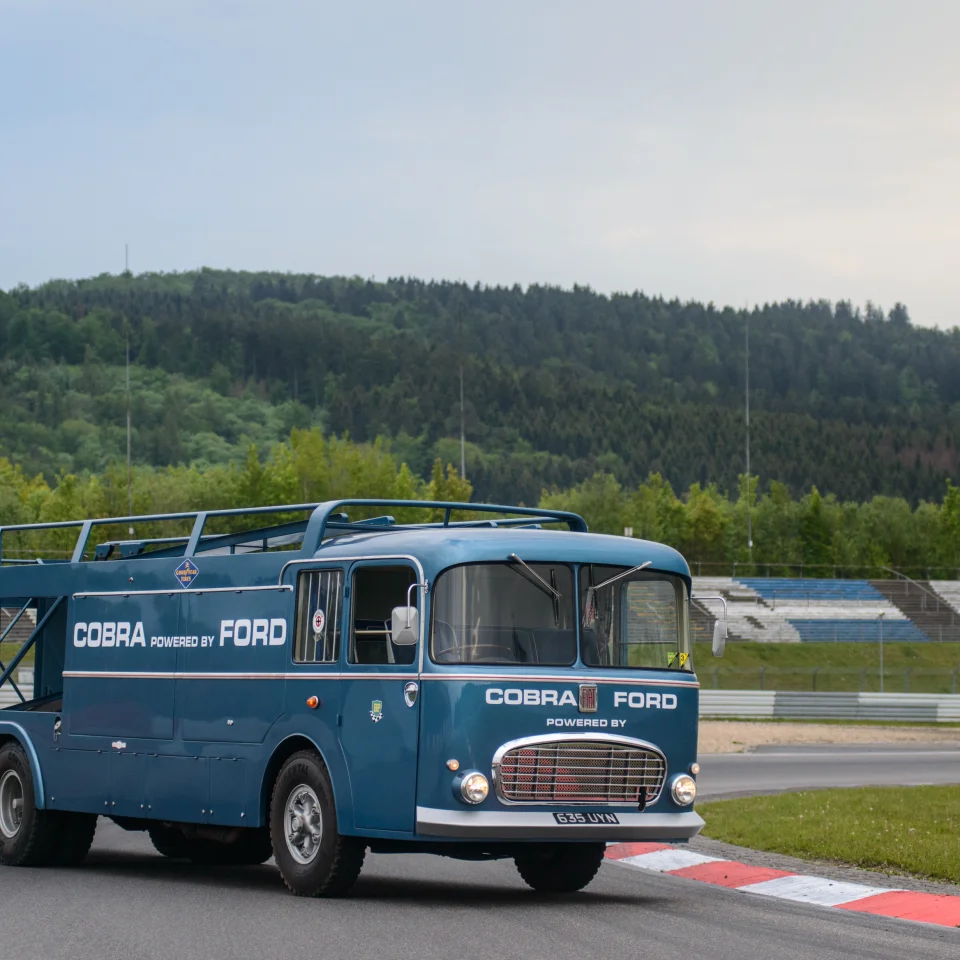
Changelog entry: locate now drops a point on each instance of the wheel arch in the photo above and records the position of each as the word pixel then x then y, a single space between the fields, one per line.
pixel 11 732
pixel 283 750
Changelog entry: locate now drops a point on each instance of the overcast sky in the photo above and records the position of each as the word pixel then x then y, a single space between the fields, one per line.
pixel 738 152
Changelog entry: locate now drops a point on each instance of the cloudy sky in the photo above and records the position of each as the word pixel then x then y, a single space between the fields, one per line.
pixel 730 151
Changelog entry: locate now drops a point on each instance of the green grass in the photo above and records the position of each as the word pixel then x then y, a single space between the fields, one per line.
pixel 913 830
pixel 839 666
pixel 830 721
pixel 849 655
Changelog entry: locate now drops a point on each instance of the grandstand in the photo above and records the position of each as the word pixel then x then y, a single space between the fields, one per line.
pixel 793 610
pixel 21 630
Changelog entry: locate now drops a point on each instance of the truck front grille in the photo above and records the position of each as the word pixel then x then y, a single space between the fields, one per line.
pixel 579 771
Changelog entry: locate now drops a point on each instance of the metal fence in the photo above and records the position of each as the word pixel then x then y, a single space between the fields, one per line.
pixel 832 679
pixel 794 705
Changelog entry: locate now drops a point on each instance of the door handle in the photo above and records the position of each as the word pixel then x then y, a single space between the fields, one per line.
pixel 410 691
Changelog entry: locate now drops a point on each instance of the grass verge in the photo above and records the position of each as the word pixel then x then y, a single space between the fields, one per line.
pixel 833 722
pixel 913 830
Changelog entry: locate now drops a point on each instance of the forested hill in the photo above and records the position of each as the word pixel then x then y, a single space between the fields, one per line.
pixel 559 383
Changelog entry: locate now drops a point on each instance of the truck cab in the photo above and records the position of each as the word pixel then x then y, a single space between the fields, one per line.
pixel 486 682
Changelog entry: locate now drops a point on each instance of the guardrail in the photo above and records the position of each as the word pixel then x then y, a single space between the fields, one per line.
pixel 806 705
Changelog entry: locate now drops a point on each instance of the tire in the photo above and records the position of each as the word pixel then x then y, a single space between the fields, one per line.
pixel 560 867
pixel 28 836
pixel 313 858
pixel 76 837
pixel 169 842
pixel 252 848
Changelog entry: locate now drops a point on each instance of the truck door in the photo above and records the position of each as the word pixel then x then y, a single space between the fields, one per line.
pixel 381 705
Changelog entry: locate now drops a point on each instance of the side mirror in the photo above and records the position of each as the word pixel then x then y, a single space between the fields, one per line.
pixel 405 626
pixel 719 637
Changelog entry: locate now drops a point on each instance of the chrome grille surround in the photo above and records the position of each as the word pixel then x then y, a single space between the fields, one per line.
pixel 579 769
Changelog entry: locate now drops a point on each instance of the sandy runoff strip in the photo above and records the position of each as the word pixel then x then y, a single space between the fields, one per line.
pixel 737 736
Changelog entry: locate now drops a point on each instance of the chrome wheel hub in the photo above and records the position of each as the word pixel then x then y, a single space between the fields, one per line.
pixel 11 803
pixel 303 824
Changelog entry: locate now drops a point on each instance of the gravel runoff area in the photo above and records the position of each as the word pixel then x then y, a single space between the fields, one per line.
pixel 740 736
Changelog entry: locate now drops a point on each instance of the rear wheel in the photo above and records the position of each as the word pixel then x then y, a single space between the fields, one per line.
pixel 169 842
pixel 560 867
pixel 28 836
pixel 76 838
pixel 252 847
pixel 313 858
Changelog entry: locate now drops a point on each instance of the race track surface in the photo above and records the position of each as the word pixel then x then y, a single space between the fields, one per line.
pixel 127 902
pixel 771 769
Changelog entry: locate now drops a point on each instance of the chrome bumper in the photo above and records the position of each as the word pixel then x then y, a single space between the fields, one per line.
pixel 516 825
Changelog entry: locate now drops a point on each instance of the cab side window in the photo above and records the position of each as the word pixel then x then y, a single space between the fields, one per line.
pixel 319 611
pixel 376 591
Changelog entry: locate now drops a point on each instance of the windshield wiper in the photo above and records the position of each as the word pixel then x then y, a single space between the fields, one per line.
pixel 528 573
pixel 589 607
pixel 535 578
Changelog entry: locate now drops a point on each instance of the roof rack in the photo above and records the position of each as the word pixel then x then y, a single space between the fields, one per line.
pixel 325 519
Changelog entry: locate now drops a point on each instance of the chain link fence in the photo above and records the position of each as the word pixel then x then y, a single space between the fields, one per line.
pixel 831 679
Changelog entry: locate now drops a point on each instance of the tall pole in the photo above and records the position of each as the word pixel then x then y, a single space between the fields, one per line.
pixel 747 418
pixel 463 441
pixel 881 652
pixel 129 465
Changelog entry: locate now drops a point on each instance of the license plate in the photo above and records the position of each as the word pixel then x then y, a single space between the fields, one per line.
pixel 585 818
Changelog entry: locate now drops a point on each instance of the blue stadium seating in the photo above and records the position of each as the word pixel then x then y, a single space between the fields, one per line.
pixel 789 588
pixel 857 631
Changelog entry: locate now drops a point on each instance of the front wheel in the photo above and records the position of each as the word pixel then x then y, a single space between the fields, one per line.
pixel 560 867
pixel 313 858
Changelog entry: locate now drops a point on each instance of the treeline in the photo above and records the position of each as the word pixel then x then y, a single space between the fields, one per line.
pixel 560 384
pixel 818 535
pixel 307 468
pixel 811 535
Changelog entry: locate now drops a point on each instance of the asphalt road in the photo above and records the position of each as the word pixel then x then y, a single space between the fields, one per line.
pixel 127 902
pixel 772 769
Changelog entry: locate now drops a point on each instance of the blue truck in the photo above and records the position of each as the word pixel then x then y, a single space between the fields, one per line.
pixel 311 686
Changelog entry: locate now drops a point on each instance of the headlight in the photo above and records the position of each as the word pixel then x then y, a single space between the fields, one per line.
pixel 474 788
pixel 683 789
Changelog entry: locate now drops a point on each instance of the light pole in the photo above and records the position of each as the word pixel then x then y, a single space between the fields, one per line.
pixel 880 618
pixel 746 401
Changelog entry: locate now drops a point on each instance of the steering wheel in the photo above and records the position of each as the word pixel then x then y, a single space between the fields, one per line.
pixel 453 646
pixel 450 638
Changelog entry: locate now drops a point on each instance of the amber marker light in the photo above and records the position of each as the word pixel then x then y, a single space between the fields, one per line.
pixel 313 702
pixel 453 765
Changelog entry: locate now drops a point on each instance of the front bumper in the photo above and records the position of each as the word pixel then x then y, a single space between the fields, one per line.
pixel 517 825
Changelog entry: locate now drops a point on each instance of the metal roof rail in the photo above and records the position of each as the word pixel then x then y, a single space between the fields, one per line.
pixel 324 517
pixel 316 528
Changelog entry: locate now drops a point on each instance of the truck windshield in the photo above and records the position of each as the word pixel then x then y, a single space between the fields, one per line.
pixel 637 621
pixel 499 613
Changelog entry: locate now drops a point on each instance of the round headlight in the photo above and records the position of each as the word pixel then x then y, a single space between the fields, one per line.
pixel 474 788
pixel 684 790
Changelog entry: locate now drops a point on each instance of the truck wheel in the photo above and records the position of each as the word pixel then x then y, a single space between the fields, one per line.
pixel 76 838
pixel 560 867
pixel 169 842
pixel 251 848
pixel 314 859
pixel 28 836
